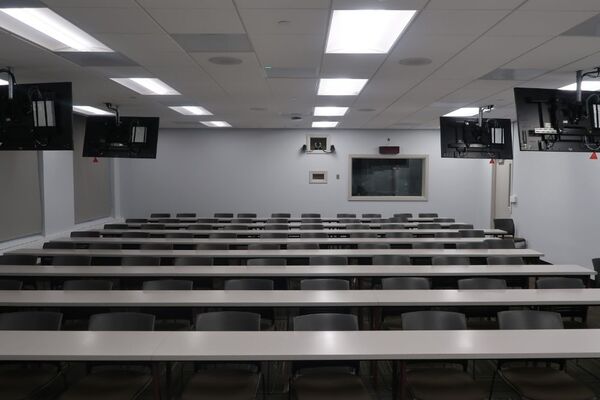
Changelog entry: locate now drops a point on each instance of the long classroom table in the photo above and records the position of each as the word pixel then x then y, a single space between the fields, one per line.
pixel 299 298
pixel 244 254
pixel 296 219
pixel 261 226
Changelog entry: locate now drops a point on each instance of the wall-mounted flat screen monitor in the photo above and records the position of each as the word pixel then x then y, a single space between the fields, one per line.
pixel 391 178
pixel 553 120
pixel 38 117
pixel 466 138
pixel 131 137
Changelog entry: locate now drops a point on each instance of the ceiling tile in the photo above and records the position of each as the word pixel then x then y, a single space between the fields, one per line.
pixel 110 20
pixel 92 3
pixel 187 4
pixel 562 5
pixel 378 4
pixel 557 52
pixel 198 20
pixel 351 65
pixel 132 44
pixel 473 4
pixel 591 27
pixel 291 51
pixel 283 4
pixel 455 22
pixel 213 42
pixel 538 23
pixel 98 59
pixel 285 22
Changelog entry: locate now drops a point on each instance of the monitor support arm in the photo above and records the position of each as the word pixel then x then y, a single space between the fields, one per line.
pixel 482 110
pixel 114 109
pixel 580 76
pixel 11 81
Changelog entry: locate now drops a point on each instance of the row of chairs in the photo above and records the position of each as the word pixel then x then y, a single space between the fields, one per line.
pixel 289 215
pixel 308 380
pixel 274 225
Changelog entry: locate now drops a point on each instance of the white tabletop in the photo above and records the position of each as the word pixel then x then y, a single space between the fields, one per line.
pixel 297 298
pixel 289 345
pixel 295 271
pixel 296 219
pixel 297 232
pixel 291 225
pixel 284 253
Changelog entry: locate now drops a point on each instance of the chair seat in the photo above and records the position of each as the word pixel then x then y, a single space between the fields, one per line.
pixel 541 383
pixel 330 386
pixel 392 323
pixel 222 384
pixel 18 382
pixel 443 384
pixel 172 325
pixel 113 384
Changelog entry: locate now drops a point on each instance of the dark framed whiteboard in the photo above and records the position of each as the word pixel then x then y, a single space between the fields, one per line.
pixel 388 178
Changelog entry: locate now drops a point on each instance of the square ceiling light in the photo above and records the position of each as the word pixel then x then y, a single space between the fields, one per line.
pixel 324 124
pixel 330 111
pixel 48 29
pixel 591 86
pixel 464 112
pixel 147 86
pixel 216 124
pixel 191 110
pixel 89 110
pixel 341 87
pixel 366 31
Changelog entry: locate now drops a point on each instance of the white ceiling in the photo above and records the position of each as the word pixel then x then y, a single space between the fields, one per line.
pixel 465 40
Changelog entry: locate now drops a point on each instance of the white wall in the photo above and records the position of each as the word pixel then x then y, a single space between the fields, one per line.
pixel 263 171
pixel 558 204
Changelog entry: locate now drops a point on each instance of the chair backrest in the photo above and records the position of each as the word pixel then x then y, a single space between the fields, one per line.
pixel 328 260
pixel 314 235
pixel 59 245
pixel 447 235
pixel 363 235
pixel 273 235
pixel 264 246
pixel 152 226
pixel 71 260
pixel 223 215
pixel 481 283
pixel 472 245
pixel 182 261
pixel 444 220
pixel 326 322
pixel 228 321
pixel 556 282
pixel 461 226
pixel 346 215
pixel 84 234
pixel 303 246
pixel 105 246
pixel 310 215
pixel 397 219
pixel 349 221
pixel 30 321
pixel 391 259
pixel 403 215
pixel 529 319
pixel 168 220
pixel 168 284
pixel 207 220
pixel 246 215
pixel 393 226
pixel 399 235
pixel 121 321
pixel 179 235
pixel 186 215
pixel 199 227
pixel 471 233
pixel 136 235
pixel 444 260
pixel 505 260
pixel 595 264
pixel 140 260
pixel 236 227
pixel 136 220
pixel 428 245
pixel 212 246
pixel 428 215
pixel 160 215
pixel 506 224
pixel 277 227
pixel 11 284
pixel 311 221
pixel 311 226
pixel 255 262
pixel 87 284
pixel 406 283
pixel 156 246
pixel 278 221
pixel 433 320
pixel 18 259
pixel 356 226
pixel 281 215
pixel 324 284
pixel 249 284
pixel 371 215
pixel 242 221
pixel 116 226
pixel 500 243
pixel 382 246
pixel 222 235
pixel 429 225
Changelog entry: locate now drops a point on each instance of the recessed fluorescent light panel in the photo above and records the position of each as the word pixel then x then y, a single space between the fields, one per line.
pixel 89 110
pixel 591 86
pixel 48 29
pixel 325 124
pixel 216 124
pixel 191 110
pixel 330 111
pixel 464 112
pixel 3 82
pixel 366 31
pixel 147 86
pixel 341 87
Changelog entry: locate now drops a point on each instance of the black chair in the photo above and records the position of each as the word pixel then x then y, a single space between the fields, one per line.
pixel 112 381
pixel 28 380
pixel 444 260
pixel 327 380
pixel 429 225
pixel 135 235
pixel 136 220
pixel 242 220
pixel 461 226
pixel 60 245
pixel 508 225
pixel 116 226
pixel 303 246
pixel 156 246
pixel 538 382
pixel 153 226
pixel 428 215
pixel 11 284
pixel 85 234
pixel 264 246
pixel 481 284
pixel 346 215
pixel 391 316
pixel 403 215
pixel 447 235
pixel 199 227
pixel 160 215
pixel 364 235
pixel 314 235
pixel 212 246
pixel 207 220
pixel 168 284
pixel 71 260
pixel 223 215
pixel 140 260
pixel 471 233
pixel 281 215
pixel 170 319
pixel 328 260
pixel 179 235
pixel 356 226
pixel 310 215
pixel 394 226
pixel 167 220
pixel 311 221
pixel 381 246
pixel 472 245
pixel 371 216
pixel 500 243
pixel 18 259
pixel 443 381
pixel 324 284
pixel 391 259
pixel 182 261
pixel 444 220
pixel 186 215
pixel 399 235
pixel 505 260
pixel 222 235
pixel 349 221
pixel 482 317
pixel 246 215
pixel 274 235
pixel 428 245
pixel 397 220
pixel 311 227
pixel 225 380
pixel 267 316
pixel 87 284
pixel 576 316
pixel 277 227
pixel 254 262
pixel 105 246
pixel 284 221
pixel 236 227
